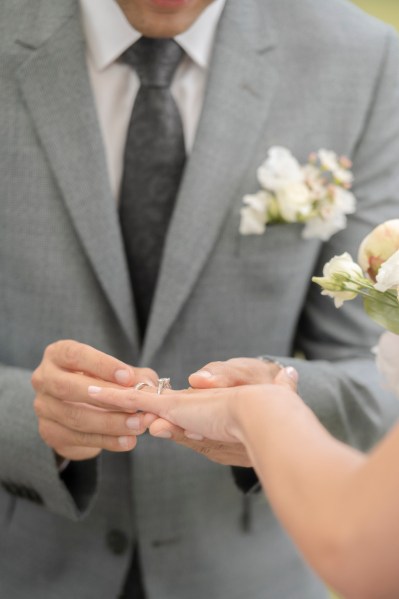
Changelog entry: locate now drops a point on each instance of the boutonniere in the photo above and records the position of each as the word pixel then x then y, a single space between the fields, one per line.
pixel 316 194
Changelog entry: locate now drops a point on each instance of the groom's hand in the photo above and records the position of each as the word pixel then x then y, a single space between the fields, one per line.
pixel 227 454
pixel 231 373
pixel 75 425
pixel 234 372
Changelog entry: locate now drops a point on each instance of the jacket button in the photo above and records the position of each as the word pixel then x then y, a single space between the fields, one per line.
pixel 117 542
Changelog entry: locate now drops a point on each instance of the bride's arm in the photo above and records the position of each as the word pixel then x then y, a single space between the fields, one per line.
pixel 340 507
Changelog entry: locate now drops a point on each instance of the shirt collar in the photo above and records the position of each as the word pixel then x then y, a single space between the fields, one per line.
pixel 108 33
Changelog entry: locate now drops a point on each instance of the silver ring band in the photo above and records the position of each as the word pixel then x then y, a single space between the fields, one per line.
pixel 141 386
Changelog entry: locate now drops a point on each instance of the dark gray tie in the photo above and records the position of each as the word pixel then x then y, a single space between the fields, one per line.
pixel 153 164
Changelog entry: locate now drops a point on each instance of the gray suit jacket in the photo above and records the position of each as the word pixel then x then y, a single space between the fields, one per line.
pixel 302 74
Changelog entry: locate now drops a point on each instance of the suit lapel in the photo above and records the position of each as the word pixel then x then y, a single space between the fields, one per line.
pixel 56 89
pixel 240 87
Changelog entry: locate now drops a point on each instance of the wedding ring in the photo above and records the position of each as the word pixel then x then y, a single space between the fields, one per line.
pixel 271 361
pixel 163 384
pixel 141 386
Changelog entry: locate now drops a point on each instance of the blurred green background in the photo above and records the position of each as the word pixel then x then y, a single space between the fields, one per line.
pixel 387 10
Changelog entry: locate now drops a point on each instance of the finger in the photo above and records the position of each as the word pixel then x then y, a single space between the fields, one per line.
pixel 72 387
pixel 78 453
pixel 85 418
pixel 287 377
pixel 77 357
pixel 232 373
pixel 233 454
pixel 146 400
pixel 57 436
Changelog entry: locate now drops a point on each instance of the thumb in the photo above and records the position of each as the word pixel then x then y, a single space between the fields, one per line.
pixel 287 377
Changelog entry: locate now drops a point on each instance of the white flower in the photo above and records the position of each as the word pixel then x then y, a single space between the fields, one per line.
pixel 254 213
pixel 328 160
pixel 344 200
pixel 343 176
pixel 324 228
pixel 388 359
pixel 378 246
pixel 279 168
pixel 388 274
pixel 341 279
pixel 332 163
pixel 330 216
pixel 314 181
pixel 315 194
pixel 294 201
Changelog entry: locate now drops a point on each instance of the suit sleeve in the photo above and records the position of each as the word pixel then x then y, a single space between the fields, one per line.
pixel 33 474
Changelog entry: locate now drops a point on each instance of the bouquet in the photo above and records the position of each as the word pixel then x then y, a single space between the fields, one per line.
pixel 375 278
pixel 315 194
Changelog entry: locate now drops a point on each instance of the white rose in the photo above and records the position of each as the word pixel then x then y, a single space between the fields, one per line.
pixel 388 274
pixel 279 168
pixel 378 246
pixel 254 213
pixel 387 359
pixel 294 201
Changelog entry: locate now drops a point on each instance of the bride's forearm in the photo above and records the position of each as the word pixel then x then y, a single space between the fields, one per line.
pixel 307 476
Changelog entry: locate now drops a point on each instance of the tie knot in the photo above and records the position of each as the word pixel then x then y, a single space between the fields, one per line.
pixel 155 60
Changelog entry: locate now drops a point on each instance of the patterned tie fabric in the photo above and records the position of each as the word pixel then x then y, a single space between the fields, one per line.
pixel 153 164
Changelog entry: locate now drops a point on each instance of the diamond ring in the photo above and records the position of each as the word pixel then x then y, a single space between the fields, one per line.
pixel 163 384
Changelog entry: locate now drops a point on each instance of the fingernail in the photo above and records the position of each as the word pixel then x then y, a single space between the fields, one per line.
pixel 205 374
pixel 292 373
pixel 163 435
pixel 194 436
pixel 133 423
pixel 122 376
pixel 94 389
pixel 124 442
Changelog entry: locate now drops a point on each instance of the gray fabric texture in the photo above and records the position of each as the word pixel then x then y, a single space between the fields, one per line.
pixel 304 75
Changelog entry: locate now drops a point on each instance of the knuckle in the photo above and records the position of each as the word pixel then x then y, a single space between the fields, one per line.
pixel 71 353
pixel 38 407
pixel 62 388
pixel 83 439
pixel 51 350
pixel 148 374
pixel 204 450
pixel 37 379
pixel 109 424
pixel 74 416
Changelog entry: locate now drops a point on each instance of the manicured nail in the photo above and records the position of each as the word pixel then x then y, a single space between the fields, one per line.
pixel 133 423
pixel 94 389
pixel 122 376
pixel 194 436
pixel 163 435
pixel 292 373
pixel 124 442
pixel 205 374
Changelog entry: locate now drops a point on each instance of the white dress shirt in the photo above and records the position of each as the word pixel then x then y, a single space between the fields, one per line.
pixel 115 84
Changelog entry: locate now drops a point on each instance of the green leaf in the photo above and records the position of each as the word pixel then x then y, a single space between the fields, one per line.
pixel 384 312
